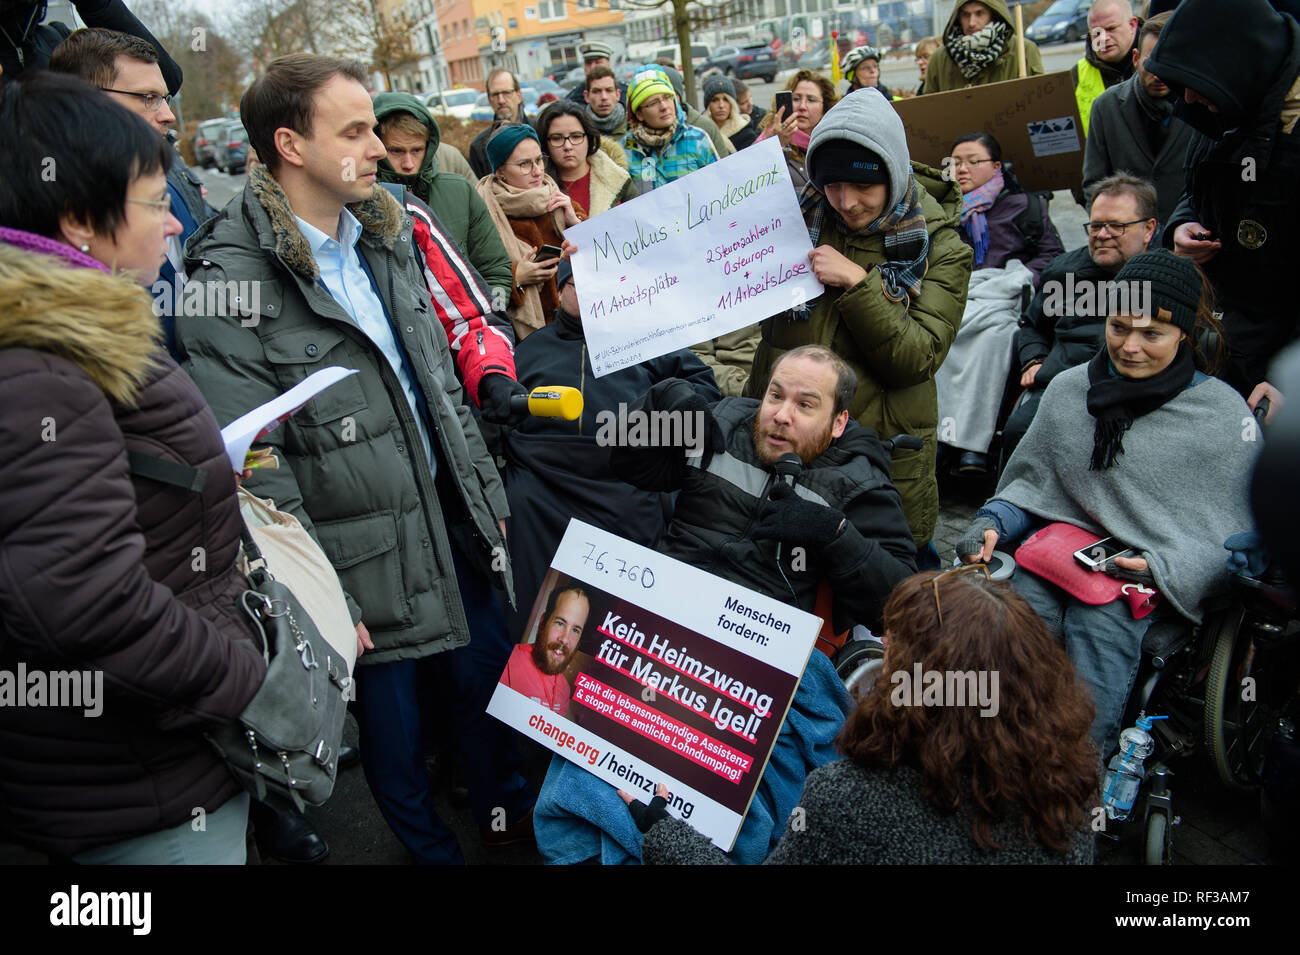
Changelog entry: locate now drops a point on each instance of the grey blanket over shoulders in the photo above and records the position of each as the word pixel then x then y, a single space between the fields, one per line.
pixel 1180 488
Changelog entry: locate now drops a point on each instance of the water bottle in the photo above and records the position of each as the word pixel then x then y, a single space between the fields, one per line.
pixel 1125 772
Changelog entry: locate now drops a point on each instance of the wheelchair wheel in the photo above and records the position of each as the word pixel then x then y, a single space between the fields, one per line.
pixel 1234 729
pixel 1157 847
pixel 858 665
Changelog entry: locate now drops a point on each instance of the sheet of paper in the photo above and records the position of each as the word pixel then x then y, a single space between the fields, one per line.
pixel 712 252
pixel 655 688
pixel 244 430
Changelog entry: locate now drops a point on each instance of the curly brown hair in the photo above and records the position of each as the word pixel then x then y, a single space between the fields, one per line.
pixel 1031 759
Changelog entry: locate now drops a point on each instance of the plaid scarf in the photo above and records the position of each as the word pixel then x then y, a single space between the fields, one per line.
pixel 907 242
pixel 975 53
pixel 973 206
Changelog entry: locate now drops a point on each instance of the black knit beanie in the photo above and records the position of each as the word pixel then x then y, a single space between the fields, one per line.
pixel 715 84
pixel 842 160
pixel 1170 286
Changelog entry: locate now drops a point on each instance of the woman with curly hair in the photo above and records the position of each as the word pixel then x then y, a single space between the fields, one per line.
pixel 813 95
pixel 971 747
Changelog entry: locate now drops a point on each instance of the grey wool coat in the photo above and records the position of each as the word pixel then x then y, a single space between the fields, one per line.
pixel 353 467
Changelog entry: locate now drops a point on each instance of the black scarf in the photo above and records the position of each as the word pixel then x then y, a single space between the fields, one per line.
pixel 1115 401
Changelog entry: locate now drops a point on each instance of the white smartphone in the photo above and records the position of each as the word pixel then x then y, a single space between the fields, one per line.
pixel 1097 556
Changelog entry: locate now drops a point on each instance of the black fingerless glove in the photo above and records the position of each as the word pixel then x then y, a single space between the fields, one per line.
pixel 494 393
pixel 646 816
pixel 787 517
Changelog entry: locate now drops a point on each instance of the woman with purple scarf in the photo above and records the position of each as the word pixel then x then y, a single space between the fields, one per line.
pixel 1013 240
pixel 993 209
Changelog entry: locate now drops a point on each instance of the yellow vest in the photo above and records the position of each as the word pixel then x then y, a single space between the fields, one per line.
pixel 1091 85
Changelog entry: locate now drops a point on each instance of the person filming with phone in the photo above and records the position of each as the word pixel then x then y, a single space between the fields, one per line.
pixel 530 212
pixel 1140 446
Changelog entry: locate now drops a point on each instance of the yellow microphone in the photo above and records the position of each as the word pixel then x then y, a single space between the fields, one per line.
pixel 550 401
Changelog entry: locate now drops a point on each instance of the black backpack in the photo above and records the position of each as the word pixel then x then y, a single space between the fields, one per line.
pixel 1030 222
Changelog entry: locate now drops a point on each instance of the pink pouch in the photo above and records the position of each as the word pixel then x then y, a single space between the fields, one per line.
pixel 1049 553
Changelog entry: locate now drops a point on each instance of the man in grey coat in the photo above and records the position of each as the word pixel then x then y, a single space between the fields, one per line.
pixel 386 468
pixel 1134 129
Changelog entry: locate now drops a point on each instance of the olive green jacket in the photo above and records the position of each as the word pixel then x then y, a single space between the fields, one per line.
pixel 942 74
pixel 895 350
pixel 352 463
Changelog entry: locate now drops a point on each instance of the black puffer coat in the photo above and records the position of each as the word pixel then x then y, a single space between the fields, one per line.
pixel 716 509
pixel 106 572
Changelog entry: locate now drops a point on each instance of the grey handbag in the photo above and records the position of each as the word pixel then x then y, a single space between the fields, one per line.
pixel 284 747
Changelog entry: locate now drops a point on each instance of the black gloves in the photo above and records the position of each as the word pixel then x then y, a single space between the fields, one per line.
pixel 786 517
pixel 646 816
pixel 494 393
pixel 680 398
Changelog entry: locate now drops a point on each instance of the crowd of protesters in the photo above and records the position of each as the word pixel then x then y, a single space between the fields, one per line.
pixel 439 502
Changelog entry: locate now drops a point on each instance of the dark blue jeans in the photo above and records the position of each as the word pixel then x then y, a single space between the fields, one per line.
pixel 387 709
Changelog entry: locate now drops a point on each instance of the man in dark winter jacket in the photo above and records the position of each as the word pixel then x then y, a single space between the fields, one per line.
pixel 1236 69
pixel 558 469
pixel 835 518
pixel 386 469
pixel 1134 129
pixel 1065 322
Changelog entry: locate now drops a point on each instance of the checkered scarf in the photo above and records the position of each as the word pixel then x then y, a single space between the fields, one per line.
pixel 975 53
pixel 907 242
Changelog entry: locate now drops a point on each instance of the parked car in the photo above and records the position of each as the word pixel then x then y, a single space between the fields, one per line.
pixel 742 62
pixel 231 150
pixel 1065 21
pixel 459 103
pixel 574 78
pixel 559 69
pixel 205 139
pixel 699 53
pixel 545 85
pixel 817 59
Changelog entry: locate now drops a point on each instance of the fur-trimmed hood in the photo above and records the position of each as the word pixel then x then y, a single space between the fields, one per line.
pixel 103 324
pixel 607 180
pixel 614 150
pixel 381 217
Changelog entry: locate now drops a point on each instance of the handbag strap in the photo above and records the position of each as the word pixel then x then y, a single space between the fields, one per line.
pixel 167 472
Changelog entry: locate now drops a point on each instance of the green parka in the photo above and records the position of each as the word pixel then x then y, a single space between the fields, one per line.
pixel 942 74
pixel 452 198
pixel 352 462
pixel 894 350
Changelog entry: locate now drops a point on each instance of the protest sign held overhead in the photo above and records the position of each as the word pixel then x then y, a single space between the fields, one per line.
pixel 638 686
pixel 705 255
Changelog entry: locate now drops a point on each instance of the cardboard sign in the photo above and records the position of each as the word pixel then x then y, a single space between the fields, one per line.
pixel 1035 120
pixel 709 253
pixel 639 686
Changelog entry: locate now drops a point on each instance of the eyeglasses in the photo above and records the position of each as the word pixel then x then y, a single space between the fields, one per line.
pixel 969 163
pixel 152 101
pixel 555 139
pixel 501 94
pixel 964 569
pixel 527 165
pixel 1114 228
pixel 163 205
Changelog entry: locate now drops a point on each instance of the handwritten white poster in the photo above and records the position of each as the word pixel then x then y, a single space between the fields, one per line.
pixel 705 255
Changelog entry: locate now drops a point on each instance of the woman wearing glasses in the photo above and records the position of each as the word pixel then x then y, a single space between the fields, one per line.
pixel 1003 774
pixel 530 211
pixel 1141 446
pixel 111 572
pixel 582 162
pixel 1000 222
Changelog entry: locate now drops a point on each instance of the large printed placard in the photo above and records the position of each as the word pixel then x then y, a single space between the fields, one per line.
pixel 705 255
pixel 646 670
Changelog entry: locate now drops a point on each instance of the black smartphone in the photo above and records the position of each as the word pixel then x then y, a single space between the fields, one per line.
pixel 785 99
pixel 548 252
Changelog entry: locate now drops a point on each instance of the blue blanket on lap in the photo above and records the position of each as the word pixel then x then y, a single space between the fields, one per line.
pixel 579 817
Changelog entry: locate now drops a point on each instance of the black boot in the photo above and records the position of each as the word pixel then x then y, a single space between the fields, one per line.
pixel 286 835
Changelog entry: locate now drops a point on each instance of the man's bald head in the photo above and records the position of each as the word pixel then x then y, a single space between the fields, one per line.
pixel 1112 29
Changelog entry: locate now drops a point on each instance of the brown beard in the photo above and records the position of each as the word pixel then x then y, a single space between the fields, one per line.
pixel 806 455
pixel 542 657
